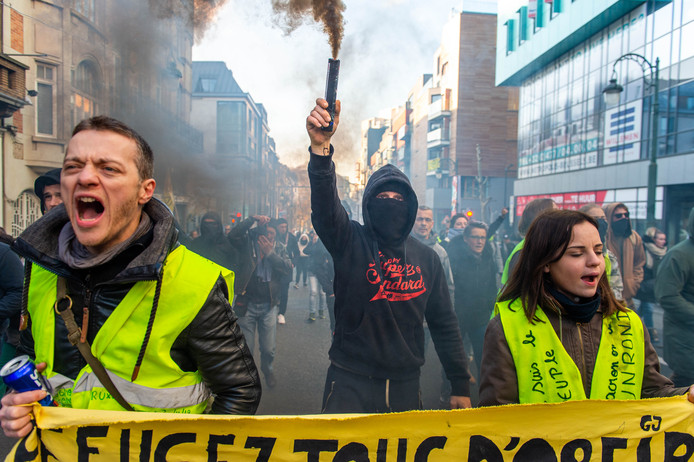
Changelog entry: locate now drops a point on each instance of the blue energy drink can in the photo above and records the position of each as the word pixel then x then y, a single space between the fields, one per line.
pixel 21 375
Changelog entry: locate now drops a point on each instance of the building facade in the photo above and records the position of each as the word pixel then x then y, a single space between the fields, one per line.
pixel 127 59
pixel 239 172
pixel 372 133
pixel 455 136
pixel 470 124
pixel 471 136
pixel 572 146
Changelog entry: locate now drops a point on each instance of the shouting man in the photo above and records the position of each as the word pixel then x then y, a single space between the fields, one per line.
pixel 156 316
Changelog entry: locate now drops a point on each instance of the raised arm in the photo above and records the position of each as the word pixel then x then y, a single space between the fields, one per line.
pixel 329 218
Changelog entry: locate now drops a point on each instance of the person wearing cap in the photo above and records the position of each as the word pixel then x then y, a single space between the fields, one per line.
pixel 386 284
pixel 47 188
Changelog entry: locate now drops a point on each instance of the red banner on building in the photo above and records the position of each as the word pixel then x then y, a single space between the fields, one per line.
pixel 566 201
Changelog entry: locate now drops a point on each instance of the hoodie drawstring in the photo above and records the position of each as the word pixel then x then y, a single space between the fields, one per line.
pixel 388 394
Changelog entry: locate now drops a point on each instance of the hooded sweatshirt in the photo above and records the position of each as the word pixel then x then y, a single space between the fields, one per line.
pixel 629 252
pixel 674 290
pixel 385 285
pixel 212 243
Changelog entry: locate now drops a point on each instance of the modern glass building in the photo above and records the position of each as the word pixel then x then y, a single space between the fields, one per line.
pixel 572 146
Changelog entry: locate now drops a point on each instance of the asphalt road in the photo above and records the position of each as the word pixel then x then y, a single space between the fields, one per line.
pixel 302 360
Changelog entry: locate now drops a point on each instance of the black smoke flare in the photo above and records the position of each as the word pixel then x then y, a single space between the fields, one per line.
pixel 328 12
pixel 331 90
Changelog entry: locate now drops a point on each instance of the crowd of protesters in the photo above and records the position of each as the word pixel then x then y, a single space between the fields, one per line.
pixel 387 281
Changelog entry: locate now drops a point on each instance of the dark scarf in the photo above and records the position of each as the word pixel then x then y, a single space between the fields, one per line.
pixel 577 309
pixel 453 232
pixel 75 255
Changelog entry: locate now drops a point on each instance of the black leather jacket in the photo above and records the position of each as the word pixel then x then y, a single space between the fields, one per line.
pixel 212 343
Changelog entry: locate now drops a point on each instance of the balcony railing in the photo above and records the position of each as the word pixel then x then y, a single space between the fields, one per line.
pixel 439 109
pixel 438 137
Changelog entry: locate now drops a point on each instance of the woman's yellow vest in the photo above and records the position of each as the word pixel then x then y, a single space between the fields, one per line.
pixel 547 374
pixel 161 385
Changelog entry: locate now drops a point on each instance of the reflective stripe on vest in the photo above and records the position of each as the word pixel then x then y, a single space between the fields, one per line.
pixel 547 374
pixel 161 385
pixel 62 389
pixel 139 395
pixel 505 275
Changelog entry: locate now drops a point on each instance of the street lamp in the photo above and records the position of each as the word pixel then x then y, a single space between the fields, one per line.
pixel 611 94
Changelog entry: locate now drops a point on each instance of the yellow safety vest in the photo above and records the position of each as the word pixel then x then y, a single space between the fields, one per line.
pixel 547 374
pixel 161 385
pixel 505 274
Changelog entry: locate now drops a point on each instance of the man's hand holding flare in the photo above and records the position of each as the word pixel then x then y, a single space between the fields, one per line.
pixel 320 117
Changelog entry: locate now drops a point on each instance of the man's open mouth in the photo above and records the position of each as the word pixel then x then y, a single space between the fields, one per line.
pixel 89 208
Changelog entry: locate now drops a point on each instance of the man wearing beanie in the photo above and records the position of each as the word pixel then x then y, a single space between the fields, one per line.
pixel 386 284
pixel 47 188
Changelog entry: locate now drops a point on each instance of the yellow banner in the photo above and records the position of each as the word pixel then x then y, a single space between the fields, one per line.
pixel 641 431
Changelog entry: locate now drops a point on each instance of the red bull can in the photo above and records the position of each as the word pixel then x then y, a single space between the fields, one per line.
pixel 21 375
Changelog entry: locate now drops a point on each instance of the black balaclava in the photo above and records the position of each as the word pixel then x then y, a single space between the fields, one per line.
pixel 389 217
pixel 622 228
pixel 211 227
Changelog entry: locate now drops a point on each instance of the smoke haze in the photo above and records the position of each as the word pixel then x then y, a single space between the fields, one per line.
pixel 142 32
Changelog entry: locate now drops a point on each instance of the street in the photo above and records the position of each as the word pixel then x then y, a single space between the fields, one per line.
pixel 302 360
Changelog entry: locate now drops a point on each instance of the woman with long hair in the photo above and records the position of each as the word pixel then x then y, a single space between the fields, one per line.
pixel 559 333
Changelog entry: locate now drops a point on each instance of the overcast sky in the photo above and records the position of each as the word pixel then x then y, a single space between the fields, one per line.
pixel 387 44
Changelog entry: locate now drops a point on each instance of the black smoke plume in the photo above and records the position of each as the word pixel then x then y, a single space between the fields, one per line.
pixel 292 14
pixel 200 17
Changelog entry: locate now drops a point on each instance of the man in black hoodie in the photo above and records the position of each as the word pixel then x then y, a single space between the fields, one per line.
pixel 386 284
pixel 213 243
